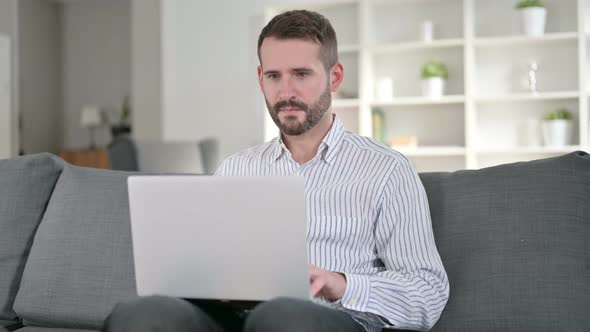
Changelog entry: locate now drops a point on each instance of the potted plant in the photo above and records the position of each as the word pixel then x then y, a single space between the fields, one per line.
pixel 434 76
pixel 557 128
pixel 533 15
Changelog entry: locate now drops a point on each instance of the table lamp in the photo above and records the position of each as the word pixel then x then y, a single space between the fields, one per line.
pixel 91 118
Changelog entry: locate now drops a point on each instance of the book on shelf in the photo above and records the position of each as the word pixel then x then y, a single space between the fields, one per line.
pixel 379 125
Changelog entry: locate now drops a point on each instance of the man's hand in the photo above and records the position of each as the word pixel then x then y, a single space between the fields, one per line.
pixel 326 284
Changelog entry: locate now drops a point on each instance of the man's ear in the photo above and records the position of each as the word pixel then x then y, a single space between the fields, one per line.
pixel 260 77
pixel 336 76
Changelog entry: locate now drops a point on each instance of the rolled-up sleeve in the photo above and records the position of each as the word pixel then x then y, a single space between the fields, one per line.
pixel 413 290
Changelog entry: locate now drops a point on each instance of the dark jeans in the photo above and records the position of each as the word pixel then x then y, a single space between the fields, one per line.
pixel 157 313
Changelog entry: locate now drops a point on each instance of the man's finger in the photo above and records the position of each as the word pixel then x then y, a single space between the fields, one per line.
pixel 314 272
pixel 316 286
pixel 313 269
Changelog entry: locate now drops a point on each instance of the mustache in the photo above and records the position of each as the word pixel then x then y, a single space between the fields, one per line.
pixel 289 103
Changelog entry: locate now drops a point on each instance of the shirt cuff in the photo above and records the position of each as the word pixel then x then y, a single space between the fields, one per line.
pixel 358 290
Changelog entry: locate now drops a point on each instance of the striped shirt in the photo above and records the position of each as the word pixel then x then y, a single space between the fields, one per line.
pixel 368 218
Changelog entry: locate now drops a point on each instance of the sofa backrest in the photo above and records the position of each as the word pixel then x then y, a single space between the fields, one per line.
pixel 515 242
pixel 513 238
pixel 81 262
pixel 26 184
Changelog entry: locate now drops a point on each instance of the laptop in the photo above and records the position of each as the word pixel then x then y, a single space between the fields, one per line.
pixel 219 237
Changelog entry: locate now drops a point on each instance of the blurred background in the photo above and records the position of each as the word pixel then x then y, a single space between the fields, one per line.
pixel 171 85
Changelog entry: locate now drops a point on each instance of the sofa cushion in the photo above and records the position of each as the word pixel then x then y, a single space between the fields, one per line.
pixel 81 262
pixel 514 240
pixel 26 184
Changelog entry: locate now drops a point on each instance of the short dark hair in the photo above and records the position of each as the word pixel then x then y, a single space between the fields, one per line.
pixel 304 24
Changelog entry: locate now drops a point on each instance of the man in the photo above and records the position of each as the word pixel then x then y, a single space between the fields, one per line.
pixel 373 259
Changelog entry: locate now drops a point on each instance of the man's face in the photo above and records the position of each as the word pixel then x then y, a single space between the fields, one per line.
pixel 295 84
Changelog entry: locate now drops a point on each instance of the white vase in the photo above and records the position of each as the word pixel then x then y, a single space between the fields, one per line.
pixel 557 132
pixel 433 87
pixel 533 21
pixel 427 31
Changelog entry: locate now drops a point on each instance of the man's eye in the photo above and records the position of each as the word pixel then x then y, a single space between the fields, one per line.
pixel 272 76
pixel 301 74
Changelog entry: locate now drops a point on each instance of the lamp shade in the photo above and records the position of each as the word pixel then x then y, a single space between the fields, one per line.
pixel 90 116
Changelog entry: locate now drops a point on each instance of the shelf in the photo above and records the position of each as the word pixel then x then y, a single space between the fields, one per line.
pixel 418 45
pixel 411 101
pixel 528 97
pixel 525 40
pixel 529 150
pixel 449 151
pixel 343 103
pixel 431 151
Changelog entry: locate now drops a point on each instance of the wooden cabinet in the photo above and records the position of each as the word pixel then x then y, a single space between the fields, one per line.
pixel 96 158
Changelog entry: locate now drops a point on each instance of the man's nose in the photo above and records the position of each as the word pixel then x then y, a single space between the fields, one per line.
pixel 287 90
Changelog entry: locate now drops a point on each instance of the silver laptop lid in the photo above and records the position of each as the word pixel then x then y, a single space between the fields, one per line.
pixel 223 238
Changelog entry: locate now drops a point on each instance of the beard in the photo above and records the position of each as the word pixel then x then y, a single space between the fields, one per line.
pixel 313 113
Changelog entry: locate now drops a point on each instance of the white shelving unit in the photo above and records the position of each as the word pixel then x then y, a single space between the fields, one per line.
pixel 524 40
pixel 487 116
pixel 408 101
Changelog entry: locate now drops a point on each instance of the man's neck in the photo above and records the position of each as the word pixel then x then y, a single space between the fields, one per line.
pixel 305 146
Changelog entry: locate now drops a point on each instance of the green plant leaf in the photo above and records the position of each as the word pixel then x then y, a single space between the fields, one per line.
pixel 434 69
pixel 529 3
pixel 559 114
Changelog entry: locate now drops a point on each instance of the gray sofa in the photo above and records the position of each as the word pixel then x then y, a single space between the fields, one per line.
pixel 515 240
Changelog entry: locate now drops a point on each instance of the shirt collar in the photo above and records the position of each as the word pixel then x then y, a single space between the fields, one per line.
pixel 329 146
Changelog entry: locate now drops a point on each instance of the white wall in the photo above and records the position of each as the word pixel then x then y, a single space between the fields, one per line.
pixel 5 99
pixel 40 75
pixel 146 70
pixel 209 71
pixel 96 62
pixel 9 28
